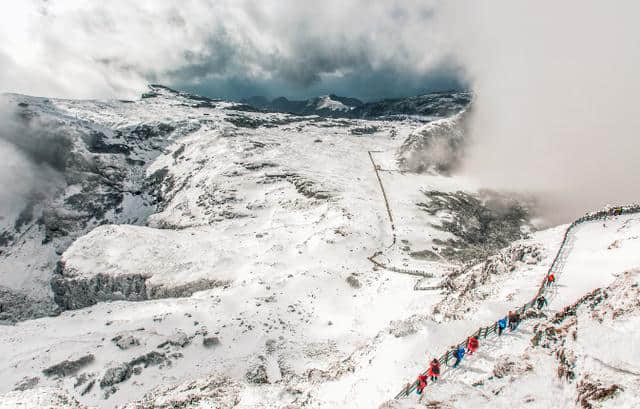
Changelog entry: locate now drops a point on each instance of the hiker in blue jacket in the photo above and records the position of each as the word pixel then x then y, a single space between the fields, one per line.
pixel 458 353
pixel 502 324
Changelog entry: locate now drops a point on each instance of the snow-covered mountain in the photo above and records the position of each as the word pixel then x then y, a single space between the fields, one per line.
pixel 425 108
pixel 326 105
pixel 192 253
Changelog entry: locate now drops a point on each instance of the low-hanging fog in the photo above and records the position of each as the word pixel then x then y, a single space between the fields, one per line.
pixel 556 109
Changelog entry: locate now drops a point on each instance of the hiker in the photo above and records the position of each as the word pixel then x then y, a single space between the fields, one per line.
pixel 458 353
pixel 551 279
pixel 541 302
pixel 434 370
pixel 502 324
pixel 472 345
pixel 422 383
pixel 514 320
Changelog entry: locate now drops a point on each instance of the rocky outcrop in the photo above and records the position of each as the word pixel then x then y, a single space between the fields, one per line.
pixel 125 341
pixel 592 393
pixel 73 293
pixel 69 367
pixel 210 342
pixel 178 339
pixel 257 374
pixel 15 306
pixel 465 286
pixel 482 223
pixel 116 374
pixel 304 185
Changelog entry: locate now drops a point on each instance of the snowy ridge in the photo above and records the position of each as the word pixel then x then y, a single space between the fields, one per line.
pixel 326 102
pixel 556 268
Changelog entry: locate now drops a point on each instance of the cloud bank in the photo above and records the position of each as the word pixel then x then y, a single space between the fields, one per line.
pixel 556 108
pixel 555 83
pixel 226 48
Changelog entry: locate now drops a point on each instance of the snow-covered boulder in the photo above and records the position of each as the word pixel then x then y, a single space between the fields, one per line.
pixel 123 262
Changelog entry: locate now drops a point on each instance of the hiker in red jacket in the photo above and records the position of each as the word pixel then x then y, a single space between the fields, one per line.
pixel 551 279
pixel 422 383
pixel 434 370
pixel 472 345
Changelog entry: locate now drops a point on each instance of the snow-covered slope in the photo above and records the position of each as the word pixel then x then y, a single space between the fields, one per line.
pixel 247 280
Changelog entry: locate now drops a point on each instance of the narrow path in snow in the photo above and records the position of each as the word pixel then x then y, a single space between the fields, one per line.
pixel 372 258
pixel 549 291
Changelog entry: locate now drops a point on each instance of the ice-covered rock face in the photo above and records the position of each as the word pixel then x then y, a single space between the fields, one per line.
pixel 437 147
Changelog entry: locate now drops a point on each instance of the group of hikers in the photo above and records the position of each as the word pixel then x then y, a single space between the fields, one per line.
pixel 511 321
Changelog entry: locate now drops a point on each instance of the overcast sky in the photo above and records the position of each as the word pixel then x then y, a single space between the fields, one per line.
pixel 233 48
pixel 556 83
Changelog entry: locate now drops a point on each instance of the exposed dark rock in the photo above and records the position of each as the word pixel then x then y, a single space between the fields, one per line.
pixel 147 131
pixel 178 339
pixel 184 290
pixel 210 342
pixel 16 306
pixel 6 238
pixel 125 341
pixel 482 224
pixel 245 122
pixel 150 359
pixel 364 130
pixel 96 144
pixel 425 255
pixel 257 165
pixel 257 375
pixel 26 383
pixel 353 281
pixel 303 185
pixel 115 375
pixel 73 293
pixel 244 108
pixel 88 387
pixel 86 379
pixel 69 367
pixel 176 154
pixel 590 393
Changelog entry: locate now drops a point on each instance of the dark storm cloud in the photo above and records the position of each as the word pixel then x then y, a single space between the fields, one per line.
pixel 205 45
